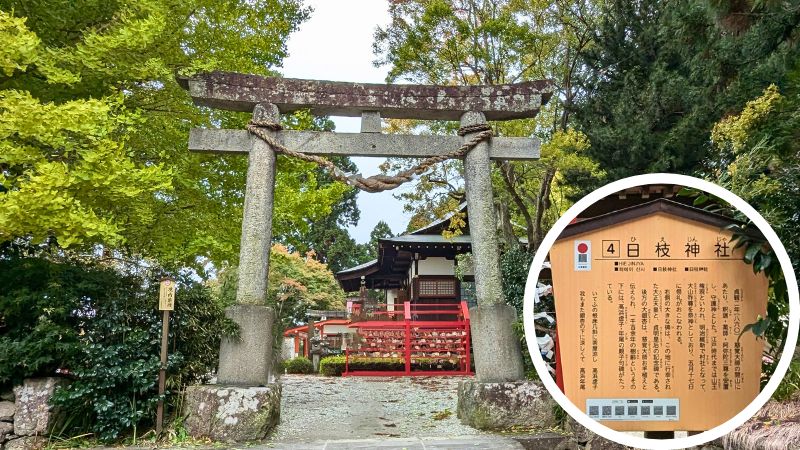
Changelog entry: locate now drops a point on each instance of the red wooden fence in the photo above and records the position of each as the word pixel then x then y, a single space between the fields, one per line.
pixel 422 345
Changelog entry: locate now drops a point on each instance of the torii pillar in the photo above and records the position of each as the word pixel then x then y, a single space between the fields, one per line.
pixel 248 360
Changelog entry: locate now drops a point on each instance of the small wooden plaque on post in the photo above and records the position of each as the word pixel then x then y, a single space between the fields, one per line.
pixel 166 303
pixel 166 298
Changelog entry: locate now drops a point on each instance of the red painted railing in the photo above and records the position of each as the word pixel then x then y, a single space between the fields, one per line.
pixel 419 346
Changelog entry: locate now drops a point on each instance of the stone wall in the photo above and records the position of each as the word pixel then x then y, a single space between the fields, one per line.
pixel 25 414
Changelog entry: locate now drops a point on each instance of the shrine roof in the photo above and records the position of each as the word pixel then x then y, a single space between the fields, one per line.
pixel 658 206
pixel 304 328
pixel 365 269
pixel 437 226
pixel 429 239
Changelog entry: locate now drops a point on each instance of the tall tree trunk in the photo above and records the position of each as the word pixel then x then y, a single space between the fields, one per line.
pixel 505 226
pixel 542 205
pixel 509 179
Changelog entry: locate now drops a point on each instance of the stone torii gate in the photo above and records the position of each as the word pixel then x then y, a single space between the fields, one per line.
pixel 247 362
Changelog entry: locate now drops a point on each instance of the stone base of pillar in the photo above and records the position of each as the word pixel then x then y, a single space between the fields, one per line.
pixel 495 346
pixel 247 361
pixel 232 413
pixel 503 406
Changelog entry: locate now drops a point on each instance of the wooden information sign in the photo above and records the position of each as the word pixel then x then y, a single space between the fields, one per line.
pixel 166 297
pixel 650 303
pixel 166 303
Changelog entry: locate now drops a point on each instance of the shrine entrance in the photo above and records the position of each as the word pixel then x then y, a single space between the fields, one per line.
pixel 247 360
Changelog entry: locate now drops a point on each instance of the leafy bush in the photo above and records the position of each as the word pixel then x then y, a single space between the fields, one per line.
pixel 101 327
pixel 514 265
pixel 299 364
pixel 790 384
pixel 333 366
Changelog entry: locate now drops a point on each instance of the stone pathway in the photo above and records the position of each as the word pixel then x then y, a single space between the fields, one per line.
pixel 452 443
pixel 316 408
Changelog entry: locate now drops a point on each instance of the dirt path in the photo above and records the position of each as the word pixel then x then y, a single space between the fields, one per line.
pixel 315 407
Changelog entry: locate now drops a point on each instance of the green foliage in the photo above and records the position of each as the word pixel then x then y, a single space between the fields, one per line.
pixel 790 384
pixel 527 361
pixel 116 376
pixel 101 327
pixel 39 329
pixel 296 283
pixel 333 366
pixel 514 266
pixel 298 364
pixel 327 236
pixel 430 38
pixel 196 328
pixel 67 172
pixel 93 146
pixel 660 74
pixel 381 231
pixel 756 155
pixel 493 42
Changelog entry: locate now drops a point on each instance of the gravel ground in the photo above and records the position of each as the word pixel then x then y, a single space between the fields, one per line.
pixel 316 407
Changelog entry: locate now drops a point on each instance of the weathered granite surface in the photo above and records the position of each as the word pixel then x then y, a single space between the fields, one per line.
pixel 247 361
pixel 6 430
pixel 232 414
pixel 501 406
pixel 360 144
pixel 256 237
pixel 241 92
pixel 497 350
pixel 7 410
pixel 600 443
pixel 26 443
pixel 34 416
pixel 498 357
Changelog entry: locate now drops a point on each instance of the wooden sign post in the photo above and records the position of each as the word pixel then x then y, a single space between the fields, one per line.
pixel 166 303
pixel 651 301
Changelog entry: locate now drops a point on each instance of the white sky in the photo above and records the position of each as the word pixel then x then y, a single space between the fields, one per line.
pixel 336 44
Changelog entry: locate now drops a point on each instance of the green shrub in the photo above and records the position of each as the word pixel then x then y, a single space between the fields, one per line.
pixel 298 364
pixel 103 327
pixel 333 366
pixel 790 385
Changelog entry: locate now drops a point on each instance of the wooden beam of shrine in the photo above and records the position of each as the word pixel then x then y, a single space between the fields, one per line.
pixel 359 144
pixel 240 92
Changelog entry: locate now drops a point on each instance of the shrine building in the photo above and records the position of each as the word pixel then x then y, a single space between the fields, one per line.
pixel 419 267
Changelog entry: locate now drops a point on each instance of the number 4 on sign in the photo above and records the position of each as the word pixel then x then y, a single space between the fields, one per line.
pixel 610 249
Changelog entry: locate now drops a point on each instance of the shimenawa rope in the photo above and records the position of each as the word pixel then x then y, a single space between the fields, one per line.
pixel 374 183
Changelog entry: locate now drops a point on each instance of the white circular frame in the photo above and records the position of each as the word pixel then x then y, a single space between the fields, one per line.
pixel 788 349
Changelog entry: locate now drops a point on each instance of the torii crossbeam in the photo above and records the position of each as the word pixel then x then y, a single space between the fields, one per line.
pixel 496 349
